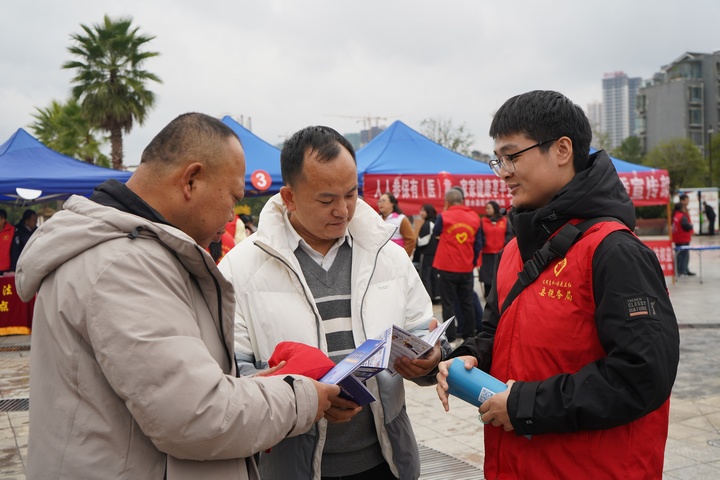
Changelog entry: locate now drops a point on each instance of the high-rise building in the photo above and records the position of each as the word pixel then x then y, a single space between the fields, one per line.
pixel 360 139
pixel 594 114
pixel 354 139
pixel 682 100
pixel 368 134
pixel 618 106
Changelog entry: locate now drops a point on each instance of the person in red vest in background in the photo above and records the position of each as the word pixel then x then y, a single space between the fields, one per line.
pixel 236 229
pixel 217 250
pixel 7 231
pixel 455 259
pixel 235 232
pixel 682 232
pixel 495 232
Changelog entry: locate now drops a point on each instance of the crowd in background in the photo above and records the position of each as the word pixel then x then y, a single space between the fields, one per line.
pixel 451 276
pixel 235 232
pixel 13 238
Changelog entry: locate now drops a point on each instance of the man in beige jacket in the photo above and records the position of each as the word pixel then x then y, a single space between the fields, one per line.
pixel 132 373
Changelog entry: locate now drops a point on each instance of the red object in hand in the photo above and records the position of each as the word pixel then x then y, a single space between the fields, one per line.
pixel 300 359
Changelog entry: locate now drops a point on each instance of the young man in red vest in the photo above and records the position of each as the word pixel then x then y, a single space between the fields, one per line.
pixel 589 346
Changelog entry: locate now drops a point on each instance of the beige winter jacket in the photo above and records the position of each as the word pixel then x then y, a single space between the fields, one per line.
pixel 132 370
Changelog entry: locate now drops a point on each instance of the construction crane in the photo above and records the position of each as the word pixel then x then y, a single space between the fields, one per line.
pixel 366 120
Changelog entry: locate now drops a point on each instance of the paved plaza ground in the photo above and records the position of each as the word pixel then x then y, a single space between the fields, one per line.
pixel 693 445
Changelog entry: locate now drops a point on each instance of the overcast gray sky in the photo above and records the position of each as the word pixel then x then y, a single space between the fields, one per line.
pixel 292 63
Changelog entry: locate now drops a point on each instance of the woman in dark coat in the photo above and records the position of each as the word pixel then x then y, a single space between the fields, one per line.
pixel 23 230
pixel 425 251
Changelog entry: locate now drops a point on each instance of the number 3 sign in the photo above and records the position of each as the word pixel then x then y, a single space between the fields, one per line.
pixel 260 179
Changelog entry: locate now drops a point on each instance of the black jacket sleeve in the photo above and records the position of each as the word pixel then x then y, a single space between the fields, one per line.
pixel 437 229
pixel 637 374
pixel 478 244
pixel 685 223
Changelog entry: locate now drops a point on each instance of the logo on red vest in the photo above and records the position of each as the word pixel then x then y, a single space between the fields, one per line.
pixel 559 267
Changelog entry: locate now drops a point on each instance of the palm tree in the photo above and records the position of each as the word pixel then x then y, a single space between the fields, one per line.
pixel 109 82
pixel 65 129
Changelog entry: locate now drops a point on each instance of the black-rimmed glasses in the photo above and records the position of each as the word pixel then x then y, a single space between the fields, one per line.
pixel 507 162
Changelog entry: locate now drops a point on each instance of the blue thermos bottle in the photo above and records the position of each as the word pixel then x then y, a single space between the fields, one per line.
pixel 474 386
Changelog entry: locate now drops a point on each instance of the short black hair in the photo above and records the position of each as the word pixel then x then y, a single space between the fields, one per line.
pixel 543 115
pixel 190 134
pixel 29 213
pixel 496 208
pixel 430 210
pixel 325 141
pixel 3 214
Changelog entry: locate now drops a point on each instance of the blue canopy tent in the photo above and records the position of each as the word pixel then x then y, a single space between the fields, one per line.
pixel 400 149
pixel 260 157
pixel 30 172
pixel 625 167
pixel 417 171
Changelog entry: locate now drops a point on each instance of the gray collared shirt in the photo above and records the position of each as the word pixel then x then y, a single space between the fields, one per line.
pixel 325 261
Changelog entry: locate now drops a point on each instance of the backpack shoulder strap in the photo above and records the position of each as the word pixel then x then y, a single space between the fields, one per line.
pixel 556 247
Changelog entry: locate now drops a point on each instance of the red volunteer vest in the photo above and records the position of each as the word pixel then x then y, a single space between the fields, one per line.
pixel 455 247
pixel 231 228
pixel 550 329
pixel 678 234
pixel 494 235
pixel 227 242
pixel 6 236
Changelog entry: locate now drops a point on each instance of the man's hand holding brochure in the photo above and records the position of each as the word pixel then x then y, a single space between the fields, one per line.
pixel 404 344
pixel 345 374
pixel 376 355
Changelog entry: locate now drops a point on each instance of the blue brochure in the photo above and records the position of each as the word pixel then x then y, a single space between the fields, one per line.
pixel 342 373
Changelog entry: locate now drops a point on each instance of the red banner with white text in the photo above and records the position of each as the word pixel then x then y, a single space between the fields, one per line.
pixel 415 190
pixel 15 315
pixel 665 253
